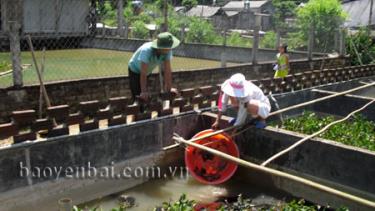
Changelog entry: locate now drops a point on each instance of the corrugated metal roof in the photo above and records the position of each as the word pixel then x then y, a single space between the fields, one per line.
pixel 358 12
pixel 203 11
pixel 231 13
pixel 239 5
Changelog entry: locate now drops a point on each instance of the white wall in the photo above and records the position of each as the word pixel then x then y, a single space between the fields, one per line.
pixel 55 16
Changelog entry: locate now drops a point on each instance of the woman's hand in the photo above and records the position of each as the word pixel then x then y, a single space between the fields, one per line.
pixel 215 125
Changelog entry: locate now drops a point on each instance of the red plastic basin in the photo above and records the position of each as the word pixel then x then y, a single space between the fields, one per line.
pixel 206 167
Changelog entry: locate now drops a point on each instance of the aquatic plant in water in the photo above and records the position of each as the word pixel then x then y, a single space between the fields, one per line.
pixel 358 131
pixel 243 204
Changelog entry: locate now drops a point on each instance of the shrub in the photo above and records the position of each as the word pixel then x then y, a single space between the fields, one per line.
pixel 140 31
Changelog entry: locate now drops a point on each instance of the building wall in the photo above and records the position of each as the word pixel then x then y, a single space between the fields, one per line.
pixel 194 50
pixel 55 16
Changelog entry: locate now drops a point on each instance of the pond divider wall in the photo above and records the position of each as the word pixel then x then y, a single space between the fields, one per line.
pixel 121 145
pixel 141 142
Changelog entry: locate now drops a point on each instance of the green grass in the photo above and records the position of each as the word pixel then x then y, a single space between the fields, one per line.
pixel 88 63
pixel 358 131
pixel 4 66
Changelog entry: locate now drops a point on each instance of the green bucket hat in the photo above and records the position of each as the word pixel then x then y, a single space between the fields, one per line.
pixel 165 40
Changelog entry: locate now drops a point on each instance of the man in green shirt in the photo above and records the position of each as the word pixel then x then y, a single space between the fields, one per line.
pixel 146 58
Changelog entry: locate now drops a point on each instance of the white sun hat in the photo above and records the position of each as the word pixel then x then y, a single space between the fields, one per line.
pixel 237 86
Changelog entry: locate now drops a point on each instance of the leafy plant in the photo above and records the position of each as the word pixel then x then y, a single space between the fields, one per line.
pixel 182 204
pixel 140 31
pixel 361 47
pixel 358 132
pixel 269 40
pixel 201 31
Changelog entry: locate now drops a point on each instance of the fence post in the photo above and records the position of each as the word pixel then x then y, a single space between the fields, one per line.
pixel 342 44
pixel 223 53
pixel 120 18
pixel 15 49
pixel 258 19
pixel 278 38
pixel 310 45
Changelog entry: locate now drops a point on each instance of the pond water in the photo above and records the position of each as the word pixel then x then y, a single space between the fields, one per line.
pixel 151 194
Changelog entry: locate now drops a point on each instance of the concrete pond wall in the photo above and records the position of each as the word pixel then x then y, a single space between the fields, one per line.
pixel 195 50
pixel 338 166
pixel 331 163
pixel 74 91
pixel 138 144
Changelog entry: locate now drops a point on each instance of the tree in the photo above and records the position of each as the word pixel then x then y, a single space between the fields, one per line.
pixel 188 4
pixel 201 31
pixel 284 9
pixel 325 17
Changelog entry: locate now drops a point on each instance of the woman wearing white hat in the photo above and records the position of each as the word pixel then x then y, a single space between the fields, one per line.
pixel 247 97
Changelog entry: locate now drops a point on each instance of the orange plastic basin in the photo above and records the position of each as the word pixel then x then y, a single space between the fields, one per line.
pixel 206 167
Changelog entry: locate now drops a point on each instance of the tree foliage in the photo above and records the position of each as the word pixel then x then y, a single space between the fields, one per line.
pixel 325 17
pixel 361 47
pixel 189 3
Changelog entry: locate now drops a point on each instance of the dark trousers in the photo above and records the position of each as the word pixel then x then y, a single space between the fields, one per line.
pixel 134 84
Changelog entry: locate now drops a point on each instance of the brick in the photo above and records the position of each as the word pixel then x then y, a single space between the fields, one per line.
pixel 89 107
pixel 143 116
pixel 206 90
pixel 187 93
pixel 24 137
pixel 132 109
pixel 178 102
pixel 24 117
pixel 167 96
pixel 75 118
pixel 165 112
pixel 118 102
pixel 7 130
pixel 88 126
pixel 60 113
pixel 104 114
pixel 117 121
pixel 42 124
pixel 58 132
pixel 197 100
pixel 186 108
pixel 155 106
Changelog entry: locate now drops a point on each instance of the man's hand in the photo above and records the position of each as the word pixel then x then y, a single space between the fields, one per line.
pixel 144 96
pixel 175 91
pixel 215 125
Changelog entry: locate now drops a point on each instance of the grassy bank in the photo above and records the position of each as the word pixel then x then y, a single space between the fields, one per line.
pixel 88 63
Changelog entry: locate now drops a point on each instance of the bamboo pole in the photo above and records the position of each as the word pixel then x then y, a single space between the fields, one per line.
pixel 274 157
pixel 45 94
pixel 40 88
pixel 46 98
pixel 279 173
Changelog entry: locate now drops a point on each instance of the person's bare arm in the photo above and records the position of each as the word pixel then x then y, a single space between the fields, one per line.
pixel 167 76
pixel 288 65
pixel 215 125
pixel 143 81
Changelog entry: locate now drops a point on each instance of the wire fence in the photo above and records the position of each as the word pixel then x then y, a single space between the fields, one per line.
pixel 96 38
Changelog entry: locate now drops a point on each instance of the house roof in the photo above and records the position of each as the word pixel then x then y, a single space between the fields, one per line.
pixel 239 5
pixel 203 11
pixel 358 12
